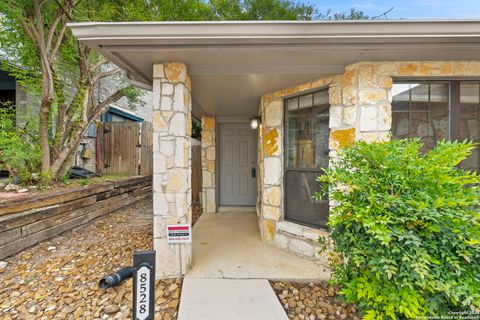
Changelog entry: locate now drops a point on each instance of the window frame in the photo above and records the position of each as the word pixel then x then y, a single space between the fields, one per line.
pixel 285 136
pixel 287 168
pixel 454 104
pixel 409 111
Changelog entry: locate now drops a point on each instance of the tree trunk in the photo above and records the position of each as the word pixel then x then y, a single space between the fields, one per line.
pixel 44 113
pixel 43 135
pixel 59 166
pixel 89 114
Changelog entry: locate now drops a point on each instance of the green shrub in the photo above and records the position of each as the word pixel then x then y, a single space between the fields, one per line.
pixel 19 150
pixel 406 229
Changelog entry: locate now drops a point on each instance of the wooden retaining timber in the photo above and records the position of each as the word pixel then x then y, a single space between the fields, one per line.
pixel 28 220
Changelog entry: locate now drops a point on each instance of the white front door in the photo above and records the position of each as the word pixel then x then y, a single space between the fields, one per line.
pixel 237 164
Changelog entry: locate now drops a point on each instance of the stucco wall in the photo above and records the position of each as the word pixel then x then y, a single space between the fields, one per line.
pixel 360 109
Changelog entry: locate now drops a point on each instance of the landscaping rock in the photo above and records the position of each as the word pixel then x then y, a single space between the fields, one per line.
pixel 58 278
pixel 172 287
pixel 11 187
pixel 312 301
pixel 113 308
pixel 3 266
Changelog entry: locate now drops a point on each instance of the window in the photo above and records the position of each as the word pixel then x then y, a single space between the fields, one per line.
pixel 436 110
pixel 468 121
pixel 306 152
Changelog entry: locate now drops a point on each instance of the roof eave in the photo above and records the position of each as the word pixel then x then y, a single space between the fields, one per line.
pixel 108 38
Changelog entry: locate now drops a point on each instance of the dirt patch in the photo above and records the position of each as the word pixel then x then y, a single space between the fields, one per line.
pixel 196 212
pixel 313 301
pixel 58 278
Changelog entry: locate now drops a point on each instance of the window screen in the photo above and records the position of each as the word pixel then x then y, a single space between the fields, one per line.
pixel 306 152
pixel 436 110
pixel 421 110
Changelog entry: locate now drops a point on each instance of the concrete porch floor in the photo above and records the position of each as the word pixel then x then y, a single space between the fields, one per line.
pixel 228 245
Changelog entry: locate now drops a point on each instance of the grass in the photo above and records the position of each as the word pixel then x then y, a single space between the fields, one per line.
pixel 72 183
pixel 93 181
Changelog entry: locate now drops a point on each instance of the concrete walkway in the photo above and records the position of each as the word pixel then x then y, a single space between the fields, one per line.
pixel 231 265
pixel 229 300
pixel 228 245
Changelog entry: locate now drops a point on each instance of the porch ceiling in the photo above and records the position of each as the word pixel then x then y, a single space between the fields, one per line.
pixel 232 64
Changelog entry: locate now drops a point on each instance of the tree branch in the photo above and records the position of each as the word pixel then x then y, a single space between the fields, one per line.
pixel 54 51
pixel 71 4
pixel 38 15
pixel 105 74
pixel 53 28
pixel 102 107
pixel 31 33
pixel 77 134
pixel 97 64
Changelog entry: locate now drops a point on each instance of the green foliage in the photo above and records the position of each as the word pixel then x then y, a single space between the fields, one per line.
pixel 19 152
pixel 353 14
pixel 84 182
pixel 66 80
pixel 196 129
pixel 406 228
pixel 261 10
pixel 133 95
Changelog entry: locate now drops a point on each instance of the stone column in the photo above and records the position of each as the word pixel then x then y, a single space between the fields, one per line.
pixel 171 165
pixel 208 164
pixel 271 143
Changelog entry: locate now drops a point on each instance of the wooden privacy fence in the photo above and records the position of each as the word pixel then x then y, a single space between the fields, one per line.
pixel 146 149
pixel 125 148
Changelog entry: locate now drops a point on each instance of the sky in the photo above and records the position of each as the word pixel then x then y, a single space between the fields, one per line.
pixel 406 9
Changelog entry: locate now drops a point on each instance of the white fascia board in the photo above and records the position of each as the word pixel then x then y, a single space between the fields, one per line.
pixel 270 31
pixel 112 39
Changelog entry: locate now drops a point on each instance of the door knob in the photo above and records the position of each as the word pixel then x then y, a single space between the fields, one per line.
pixel 254 172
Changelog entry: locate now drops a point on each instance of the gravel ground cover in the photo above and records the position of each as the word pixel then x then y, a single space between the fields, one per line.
pixel 311 301
pixel 58 278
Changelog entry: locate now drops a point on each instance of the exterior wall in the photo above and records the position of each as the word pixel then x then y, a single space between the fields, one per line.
pixel 208 164
pixel 360 109
pixel 145 112
pixel 273 228
pixel 107 86
pixel 171 164
pixel 367 97
pixel 27 105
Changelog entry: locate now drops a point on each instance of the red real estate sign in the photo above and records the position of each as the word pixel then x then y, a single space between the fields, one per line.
pixel 179 233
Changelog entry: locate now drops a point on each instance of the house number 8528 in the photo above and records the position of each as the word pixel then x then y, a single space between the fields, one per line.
pixel 143 293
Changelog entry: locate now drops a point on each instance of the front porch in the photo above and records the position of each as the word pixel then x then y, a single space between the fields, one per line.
pixel 227 245
pixel 297 77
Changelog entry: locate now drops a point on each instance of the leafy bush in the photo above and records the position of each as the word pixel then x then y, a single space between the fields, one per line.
pixel 406 229
pixel 19 151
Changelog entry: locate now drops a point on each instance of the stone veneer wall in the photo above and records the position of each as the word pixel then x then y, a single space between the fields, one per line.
pixel 360 109
pixel 366 95
pixel 171 164
pixel 208 164
pixel 271 155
